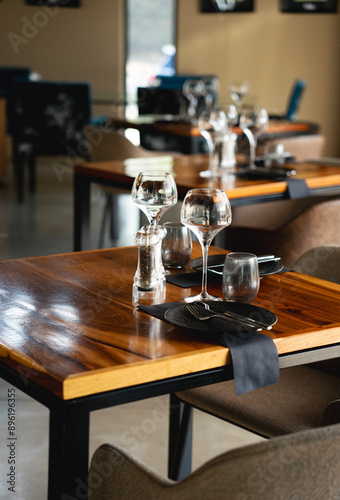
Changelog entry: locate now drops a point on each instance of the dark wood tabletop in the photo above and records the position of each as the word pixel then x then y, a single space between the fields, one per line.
pixel 68 320
pixel 71 338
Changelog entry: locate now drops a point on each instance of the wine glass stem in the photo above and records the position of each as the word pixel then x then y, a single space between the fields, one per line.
pixel 211 149
pixel 252 148
pixel 205 248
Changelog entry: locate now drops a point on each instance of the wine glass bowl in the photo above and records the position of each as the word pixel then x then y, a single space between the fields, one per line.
pixel 205 211
pixel 154 193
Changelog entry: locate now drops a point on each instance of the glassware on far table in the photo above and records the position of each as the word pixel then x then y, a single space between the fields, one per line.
pixel 213 125
pixel 193 89
pixel 238 91
pixel 253 121
pixel 211 87
pixel 205 212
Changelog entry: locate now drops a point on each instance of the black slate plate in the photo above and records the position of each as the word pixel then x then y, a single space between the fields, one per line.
pixel 180 316
pixel 265 268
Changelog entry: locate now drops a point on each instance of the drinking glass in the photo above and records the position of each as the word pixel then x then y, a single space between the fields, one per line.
pixel 154 193
pixel 213 125
pixel 241 280
pixel 176 245
pixel 238 91
pixel 205 212
pixel 253 121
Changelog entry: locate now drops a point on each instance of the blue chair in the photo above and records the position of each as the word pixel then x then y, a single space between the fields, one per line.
pixel 48 120
pixel 294 101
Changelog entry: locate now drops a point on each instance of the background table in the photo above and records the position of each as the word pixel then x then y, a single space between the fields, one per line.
pixel 321 179
pixel 171 135
pixel 71 339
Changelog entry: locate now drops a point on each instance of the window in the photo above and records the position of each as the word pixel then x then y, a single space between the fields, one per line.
pixel 150 45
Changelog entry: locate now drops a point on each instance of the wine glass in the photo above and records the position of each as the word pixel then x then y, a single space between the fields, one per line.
pixel 154 193
pixel 238 91
pixel 205 212
pixel 193 89
pixel 212 126
pixel 211 87
pixel 253 120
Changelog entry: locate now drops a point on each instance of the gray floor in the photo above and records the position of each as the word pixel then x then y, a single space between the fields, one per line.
pixel 43 225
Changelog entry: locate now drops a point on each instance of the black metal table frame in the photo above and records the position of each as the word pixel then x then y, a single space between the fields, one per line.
pixel 82 192
pixel 70 419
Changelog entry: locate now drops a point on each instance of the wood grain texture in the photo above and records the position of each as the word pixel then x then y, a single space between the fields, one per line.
pixel 67 322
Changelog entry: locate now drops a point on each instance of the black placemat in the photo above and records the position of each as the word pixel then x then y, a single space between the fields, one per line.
pixel 188 280
pixel 254 355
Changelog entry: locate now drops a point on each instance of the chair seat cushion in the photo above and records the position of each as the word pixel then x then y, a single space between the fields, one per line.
pixel 296 403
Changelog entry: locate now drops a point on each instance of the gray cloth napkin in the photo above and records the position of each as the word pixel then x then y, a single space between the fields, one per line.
pixel 297 188
pixel 254 355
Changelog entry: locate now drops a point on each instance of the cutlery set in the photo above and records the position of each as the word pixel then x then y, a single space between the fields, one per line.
pixel 203 311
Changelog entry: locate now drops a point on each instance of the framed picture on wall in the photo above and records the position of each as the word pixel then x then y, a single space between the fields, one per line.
pixel 54 3
pixel 316 6
pixel 217 6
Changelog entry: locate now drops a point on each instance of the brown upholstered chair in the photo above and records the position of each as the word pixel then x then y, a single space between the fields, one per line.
pixel 302 148
pixel 305 397
pixel 305 465
pixel 321 262
pixel 313 226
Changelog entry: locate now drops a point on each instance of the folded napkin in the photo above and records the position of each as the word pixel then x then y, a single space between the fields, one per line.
pixel 254 355
pixel 297 188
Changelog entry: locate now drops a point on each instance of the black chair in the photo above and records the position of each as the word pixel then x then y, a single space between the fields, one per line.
pixel 8 76
pixel 48 120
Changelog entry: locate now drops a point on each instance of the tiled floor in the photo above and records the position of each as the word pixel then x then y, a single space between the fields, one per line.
pixel 43 225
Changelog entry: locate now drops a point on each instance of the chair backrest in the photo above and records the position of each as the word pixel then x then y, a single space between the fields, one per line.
pixel 321 262
pixel 303 147
pixel 8 76
pixel 104 144
pixel 300 465
pixel 313 226
pixel 295 99
pixel 49 117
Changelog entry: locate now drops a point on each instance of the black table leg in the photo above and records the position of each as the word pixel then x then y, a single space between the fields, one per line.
pixel 180 439
pixel 81 199
pixel 68 452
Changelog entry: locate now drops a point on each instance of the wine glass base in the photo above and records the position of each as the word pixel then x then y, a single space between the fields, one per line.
pixel 200 298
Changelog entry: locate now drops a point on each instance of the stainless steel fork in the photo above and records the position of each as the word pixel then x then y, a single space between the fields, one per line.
pixel 205 314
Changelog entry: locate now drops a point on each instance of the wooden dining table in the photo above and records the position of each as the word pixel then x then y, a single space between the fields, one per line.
pixel 71 338
pixel 321 179
pixel 169 133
